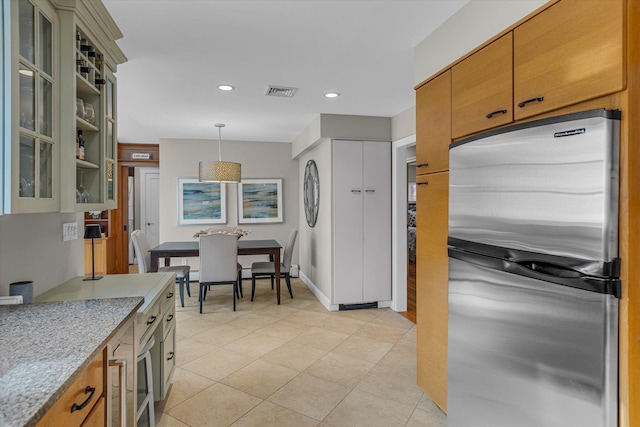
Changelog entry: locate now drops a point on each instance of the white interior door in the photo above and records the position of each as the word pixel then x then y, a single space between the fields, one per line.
pixel 150 204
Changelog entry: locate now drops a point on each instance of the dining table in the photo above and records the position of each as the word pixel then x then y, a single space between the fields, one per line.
pixel 188 249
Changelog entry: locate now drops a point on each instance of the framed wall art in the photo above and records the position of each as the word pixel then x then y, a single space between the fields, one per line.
pixel 259 201
pixel 201 202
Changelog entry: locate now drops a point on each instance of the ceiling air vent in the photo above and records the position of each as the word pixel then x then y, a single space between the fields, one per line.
pixel 281 91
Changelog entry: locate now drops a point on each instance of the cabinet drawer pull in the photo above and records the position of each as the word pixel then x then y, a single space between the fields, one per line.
pixel 170 295
pixel 84 404
pixel 356 191
pixel 538 99
pixel 493 113
pixel 151 320
pixel 370 191
pixel 171 355
pixel 169 318
pixel 422 165
pixel 422 183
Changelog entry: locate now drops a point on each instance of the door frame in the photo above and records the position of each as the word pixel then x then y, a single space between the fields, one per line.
pixel 399 222
pixel 141 200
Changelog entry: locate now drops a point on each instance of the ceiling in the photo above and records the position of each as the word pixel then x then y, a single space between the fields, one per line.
pixel 179 51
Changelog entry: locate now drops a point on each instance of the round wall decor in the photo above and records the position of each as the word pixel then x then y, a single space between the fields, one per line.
pixel 311 192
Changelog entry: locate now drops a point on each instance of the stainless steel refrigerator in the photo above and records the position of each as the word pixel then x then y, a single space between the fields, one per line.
pixel 534 274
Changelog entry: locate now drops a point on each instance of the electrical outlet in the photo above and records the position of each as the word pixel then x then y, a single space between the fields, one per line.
pixel 69 231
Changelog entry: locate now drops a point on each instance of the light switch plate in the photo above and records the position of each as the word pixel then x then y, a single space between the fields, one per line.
pixel 69 231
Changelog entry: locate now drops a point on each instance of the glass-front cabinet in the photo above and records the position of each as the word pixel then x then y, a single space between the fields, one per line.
pixel 63 107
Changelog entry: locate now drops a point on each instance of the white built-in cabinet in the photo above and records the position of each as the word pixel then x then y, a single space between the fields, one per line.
pixel 361 222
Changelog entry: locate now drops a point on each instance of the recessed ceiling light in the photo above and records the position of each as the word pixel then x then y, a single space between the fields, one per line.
pixel 225 87
pixel 331 94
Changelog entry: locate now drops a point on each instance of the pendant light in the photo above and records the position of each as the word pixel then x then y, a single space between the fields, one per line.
pixel 219 171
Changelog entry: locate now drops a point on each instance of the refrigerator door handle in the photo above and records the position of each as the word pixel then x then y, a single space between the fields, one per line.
pixel 542 271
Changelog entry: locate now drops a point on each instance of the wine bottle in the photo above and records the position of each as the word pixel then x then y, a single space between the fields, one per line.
pixel 99 82
pixel 80 145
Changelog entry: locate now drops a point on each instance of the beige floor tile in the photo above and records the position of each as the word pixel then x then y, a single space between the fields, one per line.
pixel 381 332
pixel 218 364
pixel 185 384
pixel 260 378
pixel 310 396
pixel 218 405
pixel 268 414
pixel 255 344
pixel 427 405
pixel 340 369
pixel 421 418
pixel 320 338
pixel 397 384
pixel 192 326
pixel 274 310
pixel 166 420
pixel 294 356
pixel 284 329
pixel 391 318
pixel 364 314
pixel 363 348
pixel 252 322
pixel 306 317
pixel 221 335
pixel 342 324
pixel 400 356
pixel 190 349
pixel 363 409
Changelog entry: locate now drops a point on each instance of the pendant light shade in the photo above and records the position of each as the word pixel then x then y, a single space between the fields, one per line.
pixel 219 171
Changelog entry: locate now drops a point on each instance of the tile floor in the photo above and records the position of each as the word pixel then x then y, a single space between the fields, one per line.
pixel 293 365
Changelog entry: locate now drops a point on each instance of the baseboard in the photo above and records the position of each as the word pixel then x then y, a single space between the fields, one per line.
pixel 318 293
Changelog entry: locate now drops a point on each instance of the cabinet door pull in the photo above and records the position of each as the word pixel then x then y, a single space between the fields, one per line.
pixel 538 99
pixel 169 318
pixel 422 165
pixel 171 354
pixel 170 295
pixel 84 404
pixel 122 373
pixel 493 113
pixel 151 320
pixel 370 191
pixel 423 183
pixel 356 191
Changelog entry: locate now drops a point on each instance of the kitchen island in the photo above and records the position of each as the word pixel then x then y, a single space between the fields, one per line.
pixel 45 348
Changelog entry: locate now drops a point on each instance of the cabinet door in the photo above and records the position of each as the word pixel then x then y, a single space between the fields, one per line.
pixel 376 248
pixel 482 89
pixel 562 57
pixel 433 125
pixel 432 285
pixel 347 224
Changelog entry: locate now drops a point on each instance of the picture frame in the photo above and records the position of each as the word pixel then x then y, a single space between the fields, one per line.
pixel 201 202
pixel 260 201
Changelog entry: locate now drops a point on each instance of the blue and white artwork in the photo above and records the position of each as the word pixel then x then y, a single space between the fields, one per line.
pixel 260 200
pixel 201 202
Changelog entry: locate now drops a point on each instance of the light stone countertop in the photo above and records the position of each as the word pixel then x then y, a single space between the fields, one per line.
pixel 45 346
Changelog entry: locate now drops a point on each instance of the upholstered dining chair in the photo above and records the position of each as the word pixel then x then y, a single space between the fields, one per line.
pixel 141 248
pixel 219 264
pixel 268 269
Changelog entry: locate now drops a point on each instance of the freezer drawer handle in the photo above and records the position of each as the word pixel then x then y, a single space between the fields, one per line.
pixel 422 165
pixel 528 101
pixel 493 113
pixel 423 183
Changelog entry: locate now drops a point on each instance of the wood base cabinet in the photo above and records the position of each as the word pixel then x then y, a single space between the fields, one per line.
pixel 432 277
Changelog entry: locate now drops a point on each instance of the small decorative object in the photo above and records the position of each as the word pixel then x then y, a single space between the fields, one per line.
pixel 92 231
pixel 201 202
pixel 221 229
pixel 89 113
pixel 24 288
pixel 95 214
pixel 311 193
pixel 79 108
pixel 259 201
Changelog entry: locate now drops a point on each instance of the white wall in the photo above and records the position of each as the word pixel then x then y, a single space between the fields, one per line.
pixel 179 158
pixel 403 124
pixel 472 25
pixel 31 248
pixel 316 260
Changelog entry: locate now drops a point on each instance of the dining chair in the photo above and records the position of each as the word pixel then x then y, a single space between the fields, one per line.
pixel 141 248
pixel 268 268
pixel 219 264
